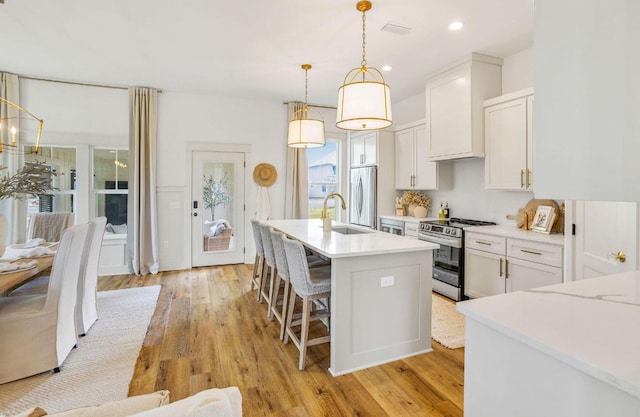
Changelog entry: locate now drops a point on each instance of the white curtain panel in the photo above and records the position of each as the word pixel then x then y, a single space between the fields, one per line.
pixel 9 90
pixel 297 184
pixel 142 239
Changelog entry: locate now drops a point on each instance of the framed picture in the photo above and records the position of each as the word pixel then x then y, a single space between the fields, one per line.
pixel 543 220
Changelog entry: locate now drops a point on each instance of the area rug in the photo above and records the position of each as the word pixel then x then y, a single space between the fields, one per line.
pixel 447 325
pixel 100 368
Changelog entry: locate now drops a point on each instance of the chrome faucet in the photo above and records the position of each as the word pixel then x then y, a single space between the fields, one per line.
pixel 326 221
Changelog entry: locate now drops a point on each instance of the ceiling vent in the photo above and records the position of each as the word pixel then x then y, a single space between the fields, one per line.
pixel 397 29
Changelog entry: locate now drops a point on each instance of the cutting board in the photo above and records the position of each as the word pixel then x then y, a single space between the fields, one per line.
pixel 531 207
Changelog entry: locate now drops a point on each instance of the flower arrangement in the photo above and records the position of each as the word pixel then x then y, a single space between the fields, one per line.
pixel 416 197
pixel 34 178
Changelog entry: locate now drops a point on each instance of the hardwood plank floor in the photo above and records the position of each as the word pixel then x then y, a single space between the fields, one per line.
pixel 209 331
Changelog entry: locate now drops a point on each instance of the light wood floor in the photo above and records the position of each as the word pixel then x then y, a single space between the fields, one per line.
pixel 209 331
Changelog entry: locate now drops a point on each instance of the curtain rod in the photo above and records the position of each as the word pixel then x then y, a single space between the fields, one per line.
pixel 313 105
pixel 115 87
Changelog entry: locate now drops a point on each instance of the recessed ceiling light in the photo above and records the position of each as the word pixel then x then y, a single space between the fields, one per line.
pixel 386 68
pixel 456 26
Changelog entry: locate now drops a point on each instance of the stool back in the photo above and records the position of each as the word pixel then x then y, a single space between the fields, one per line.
pixel 257 236
pixel 298 267
pixel 281 256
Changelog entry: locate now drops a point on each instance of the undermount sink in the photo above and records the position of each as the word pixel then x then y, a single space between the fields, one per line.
pixel 348 230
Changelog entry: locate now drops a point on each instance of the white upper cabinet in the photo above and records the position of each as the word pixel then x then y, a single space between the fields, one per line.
pixel 587 124
pixel 455 117
pixel 364 148
pixel 413 168
pixel 508 141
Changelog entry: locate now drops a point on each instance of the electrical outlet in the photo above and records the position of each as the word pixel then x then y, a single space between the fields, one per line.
pixel 387 281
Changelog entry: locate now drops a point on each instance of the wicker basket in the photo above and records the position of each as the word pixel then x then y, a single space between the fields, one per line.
pixel 220 242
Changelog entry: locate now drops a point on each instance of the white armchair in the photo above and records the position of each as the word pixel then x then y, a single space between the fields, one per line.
pixel 38 331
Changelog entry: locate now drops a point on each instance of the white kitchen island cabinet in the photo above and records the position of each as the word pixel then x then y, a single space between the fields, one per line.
pixel 380 293
pixel 566 350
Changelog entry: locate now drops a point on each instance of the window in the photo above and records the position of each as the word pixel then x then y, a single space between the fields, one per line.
pixel 63 163
pixel 322 166
pixel 110 187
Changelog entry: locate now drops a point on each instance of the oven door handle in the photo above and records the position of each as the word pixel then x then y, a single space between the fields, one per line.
pixel 454 243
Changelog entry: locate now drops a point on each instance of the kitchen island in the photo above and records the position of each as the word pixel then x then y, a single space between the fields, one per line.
pixel 380 292
pixel 566 350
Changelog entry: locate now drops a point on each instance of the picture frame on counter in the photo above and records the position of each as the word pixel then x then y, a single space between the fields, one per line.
pixel 543 219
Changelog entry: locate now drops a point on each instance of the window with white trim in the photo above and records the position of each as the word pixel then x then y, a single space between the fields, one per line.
pixel 111 187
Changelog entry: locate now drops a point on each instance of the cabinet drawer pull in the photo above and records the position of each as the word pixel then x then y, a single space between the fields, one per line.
pixel 483 243
pixel 500 267
pixel 531 252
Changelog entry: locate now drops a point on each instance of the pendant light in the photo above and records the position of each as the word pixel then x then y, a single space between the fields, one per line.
pixel 306 131
pixel 11 117
pixel 364 100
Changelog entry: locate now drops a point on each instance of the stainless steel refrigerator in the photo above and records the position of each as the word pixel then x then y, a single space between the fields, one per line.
pixel 363 196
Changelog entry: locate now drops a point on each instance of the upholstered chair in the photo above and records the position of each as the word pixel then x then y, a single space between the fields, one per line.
pixel 38 331
pixel 86 309
pixel 49 226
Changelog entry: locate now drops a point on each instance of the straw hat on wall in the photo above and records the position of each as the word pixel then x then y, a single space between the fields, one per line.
pixel 265 175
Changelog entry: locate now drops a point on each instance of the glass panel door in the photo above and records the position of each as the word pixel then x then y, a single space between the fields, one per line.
pixel 217 208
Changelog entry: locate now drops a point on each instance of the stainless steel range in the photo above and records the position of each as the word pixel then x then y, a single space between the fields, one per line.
pixel 448 261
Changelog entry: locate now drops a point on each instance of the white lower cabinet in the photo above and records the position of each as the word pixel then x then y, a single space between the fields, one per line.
pixel 497 265
pixel 411 228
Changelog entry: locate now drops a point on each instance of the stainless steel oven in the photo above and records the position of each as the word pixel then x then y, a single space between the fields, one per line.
pixel 448 260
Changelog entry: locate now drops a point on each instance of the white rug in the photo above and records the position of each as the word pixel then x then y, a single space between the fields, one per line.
pixel 101 367
pixel 447 325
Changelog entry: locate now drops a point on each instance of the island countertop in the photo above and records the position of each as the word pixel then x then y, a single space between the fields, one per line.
pixel 337 245
pixel 592 325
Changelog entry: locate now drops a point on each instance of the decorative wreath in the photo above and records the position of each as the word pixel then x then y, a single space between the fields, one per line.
pixel 265 174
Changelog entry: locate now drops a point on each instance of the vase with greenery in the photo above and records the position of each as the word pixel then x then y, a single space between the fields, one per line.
pixel 33 179
pixel 215 192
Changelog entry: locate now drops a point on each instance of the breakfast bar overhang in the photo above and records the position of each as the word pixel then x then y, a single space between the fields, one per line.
pixel 380 292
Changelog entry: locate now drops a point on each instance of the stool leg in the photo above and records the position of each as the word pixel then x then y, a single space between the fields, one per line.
pixel 274 290
pixel 290 307
pixel 255 272
pixel 285 304
pixel 304 332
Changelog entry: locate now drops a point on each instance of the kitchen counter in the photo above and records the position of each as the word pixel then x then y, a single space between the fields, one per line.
pixel 571 348
pixel 516 232
pixel 380 293
pixel 337 245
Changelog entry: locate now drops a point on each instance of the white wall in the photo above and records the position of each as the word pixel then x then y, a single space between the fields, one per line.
pixel 468 198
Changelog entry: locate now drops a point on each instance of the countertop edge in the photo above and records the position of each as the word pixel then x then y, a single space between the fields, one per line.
pixel 564 357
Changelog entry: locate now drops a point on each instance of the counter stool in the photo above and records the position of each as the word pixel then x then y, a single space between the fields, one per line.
pixel 309 285
pixel 258 265
pixel 269 270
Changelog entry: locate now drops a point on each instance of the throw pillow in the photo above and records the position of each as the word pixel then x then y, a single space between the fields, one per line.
pixel 122 408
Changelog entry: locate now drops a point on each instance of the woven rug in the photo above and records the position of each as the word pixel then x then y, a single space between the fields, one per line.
pixel 100 368
pixel 447 325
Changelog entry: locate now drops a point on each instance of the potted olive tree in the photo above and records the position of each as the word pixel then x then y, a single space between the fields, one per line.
pixel 215 192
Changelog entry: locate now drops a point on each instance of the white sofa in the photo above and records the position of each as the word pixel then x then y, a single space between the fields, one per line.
pixel 215 402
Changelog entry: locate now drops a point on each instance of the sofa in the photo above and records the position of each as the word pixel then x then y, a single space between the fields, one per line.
pixel 215 402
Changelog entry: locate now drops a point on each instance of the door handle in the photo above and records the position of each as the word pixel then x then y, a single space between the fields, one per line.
pixel 506 268
pixel 620 257
pixel 528 178
pixel 500 267
pixel 522 178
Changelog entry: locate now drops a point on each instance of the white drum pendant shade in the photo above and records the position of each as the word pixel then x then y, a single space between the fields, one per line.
pixel 364 105
pixel 306 133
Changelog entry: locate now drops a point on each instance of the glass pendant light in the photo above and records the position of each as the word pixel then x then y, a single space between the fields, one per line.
pixel 364 100
pixel 305 130
pixel 11 117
